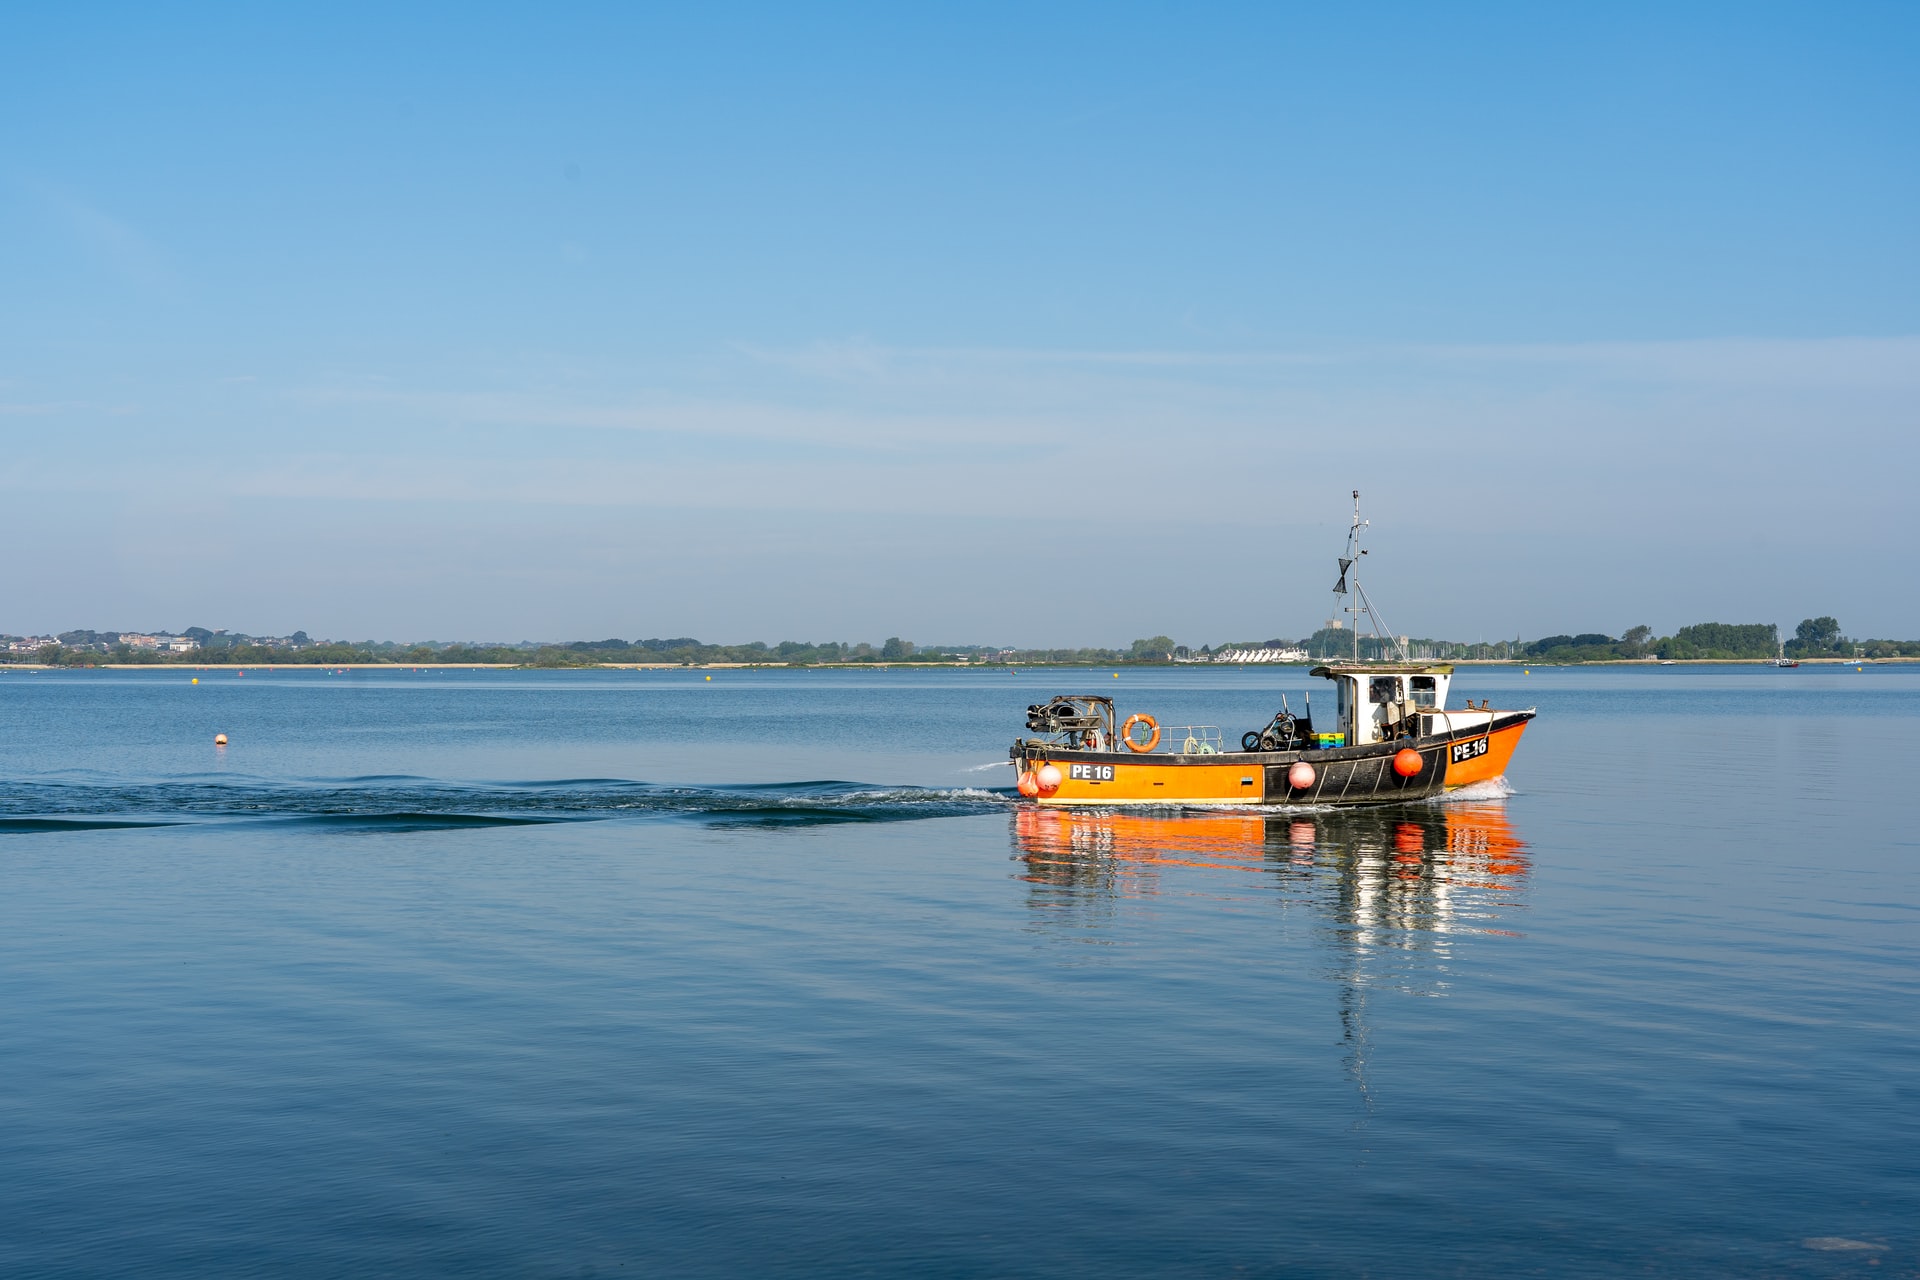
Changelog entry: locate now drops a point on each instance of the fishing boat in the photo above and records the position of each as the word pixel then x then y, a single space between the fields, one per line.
pixel 1391 738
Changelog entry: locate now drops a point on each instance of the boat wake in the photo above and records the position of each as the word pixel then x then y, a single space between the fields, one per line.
pixel 1477 792
pixel 389 803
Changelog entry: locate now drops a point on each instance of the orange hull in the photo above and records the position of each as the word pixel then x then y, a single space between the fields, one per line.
pixel 1147 780
pixel 1500 747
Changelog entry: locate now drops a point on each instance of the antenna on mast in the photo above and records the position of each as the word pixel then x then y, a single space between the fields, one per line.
pixel 1358 602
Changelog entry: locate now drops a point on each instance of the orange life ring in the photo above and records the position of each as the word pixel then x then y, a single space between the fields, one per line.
pixel 1126 732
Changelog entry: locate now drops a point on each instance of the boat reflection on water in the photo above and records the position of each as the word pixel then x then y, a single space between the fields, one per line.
pixel 1392 890
pixel 1422 868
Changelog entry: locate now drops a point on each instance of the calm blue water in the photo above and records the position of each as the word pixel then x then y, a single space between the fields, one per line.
pixel 636 973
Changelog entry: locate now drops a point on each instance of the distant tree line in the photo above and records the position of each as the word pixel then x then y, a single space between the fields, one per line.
pixel 1813 638
pixel 87 649
pixel 1338 642
pixel 1703 640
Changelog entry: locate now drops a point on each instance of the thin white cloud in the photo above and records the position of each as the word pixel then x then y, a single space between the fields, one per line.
pixel 108 240
pixel 53 408
pixel 1859 363
pixel 668 416
pixel 1847 361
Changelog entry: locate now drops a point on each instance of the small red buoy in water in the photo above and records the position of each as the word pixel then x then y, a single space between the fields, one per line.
pixel 1028 786
pixel 1049 779
pixel 219 739
pixel 1406 762
pixel 1300 777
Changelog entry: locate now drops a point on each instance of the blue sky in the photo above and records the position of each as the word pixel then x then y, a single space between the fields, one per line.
pixel 964 324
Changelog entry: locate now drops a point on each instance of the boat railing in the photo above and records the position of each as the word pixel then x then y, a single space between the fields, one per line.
pixel 1191 740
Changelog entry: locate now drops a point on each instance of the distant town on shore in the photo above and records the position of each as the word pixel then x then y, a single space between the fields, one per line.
pixel 1706 641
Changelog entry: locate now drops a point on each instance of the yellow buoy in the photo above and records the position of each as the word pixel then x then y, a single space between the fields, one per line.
pixel 196 679
pixel 219 739
pixel 1116 675
pixel 709 677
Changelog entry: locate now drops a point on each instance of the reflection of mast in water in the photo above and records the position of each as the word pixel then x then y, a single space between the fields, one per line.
pixel 1409 882
pixel 1388 881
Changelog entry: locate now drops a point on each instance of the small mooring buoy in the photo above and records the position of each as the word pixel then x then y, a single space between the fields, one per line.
pixel 219 739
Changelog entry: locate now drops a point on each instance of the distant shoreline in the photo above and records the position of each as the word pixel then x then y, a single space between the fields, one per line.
pixel 949 666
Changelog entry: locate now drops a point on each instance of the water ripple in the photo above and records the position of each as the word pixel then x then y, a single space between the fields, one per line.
pixel 398 803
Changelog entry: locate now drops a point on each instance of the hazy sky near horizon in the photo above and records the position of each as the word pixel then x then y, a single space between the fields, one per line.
pixel 966 324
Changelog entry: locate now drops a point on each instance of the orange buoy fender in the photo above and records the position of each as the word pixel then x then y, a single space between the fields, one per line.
pixel 1406 762
pixel 1028 786
pixel 1126 732
pixel 1300 777
pixel 1048 778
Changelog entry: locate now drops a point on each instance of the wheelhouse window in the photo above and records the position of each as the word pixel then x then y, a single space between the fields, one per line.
pixel 1425 691
pixel 1383 689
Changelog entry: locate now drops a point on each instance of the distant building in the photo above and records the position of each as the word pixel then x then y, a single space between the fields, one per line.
pixel 133 641
pixel 1260 655
pixel 182 644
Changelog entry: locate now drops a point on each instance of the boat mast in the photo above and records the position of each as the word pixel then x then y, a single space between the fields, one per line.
pixel 1341 602
pixel 1353 558
pixel 1359 602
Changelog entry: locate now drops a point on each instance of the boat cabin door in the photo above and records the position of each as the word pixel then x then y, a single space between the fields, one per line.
pixel 1382 705
pixel 1361 699
pixel 1384 699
